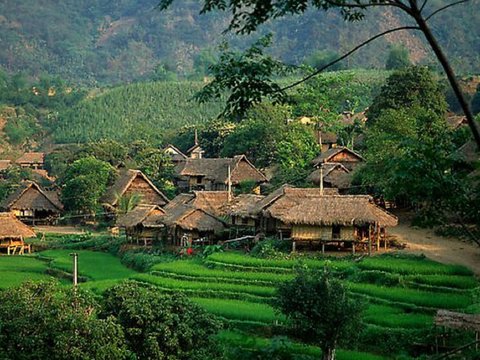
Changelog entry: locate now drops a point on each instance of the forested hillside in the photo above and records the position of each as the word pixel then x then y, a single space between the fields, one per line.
pixel 146 111
pixel 105 42
pixel 155 111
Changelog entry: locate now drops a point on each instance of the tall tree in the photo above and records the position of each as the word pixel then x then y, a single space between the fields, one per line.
pixel 320 310
pixel 248 15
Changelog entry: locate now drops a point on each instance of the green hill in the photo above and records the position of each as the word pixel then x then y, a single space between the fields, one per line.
pixel 107 42
pixel 148 111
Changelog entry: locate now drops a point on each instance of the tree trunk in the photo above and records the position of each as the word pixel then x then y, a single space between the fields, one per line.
pixel 328 354
pixel 422 23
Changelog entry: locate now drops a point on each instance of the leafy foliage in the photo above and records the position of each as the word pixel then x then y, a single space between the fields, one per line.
pixel 160 326
pixel 247 77
pixel 60 324
pixel 398 58
pixel 85 182
pixel 320 310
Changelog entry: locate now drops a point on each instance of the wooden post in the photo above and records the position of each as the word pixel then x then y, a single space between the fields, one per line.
pixel 321 178
pixel 294 246
pixel 353 248
pixel 369 240
pixel 385 238
pixel 229 184
pixel 75 269
pixel 378 235
pixel 323 247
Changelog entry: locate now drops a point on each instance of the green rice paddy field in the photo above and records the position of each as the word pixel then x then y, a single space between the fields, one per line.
pixel 402 293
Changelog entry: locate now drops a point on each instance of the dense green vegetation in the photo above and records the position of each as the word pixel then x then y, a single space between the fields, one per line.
pixel 104 42
pixel 402 292
pixel 143 111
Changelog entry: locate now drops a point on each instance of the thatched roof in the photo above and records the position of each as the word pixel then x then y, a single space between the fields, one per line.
pixel 175 153
pixel 145 215
pixel 338 210
pixel 242 205
pixel 456 121
pixel 328 155
pixel 327 169
pixel 5 164
pixel 31 158
pixel 469 152
pixel 190 218
pixel 30 196
pixel 284 198
pixel 122 184
pixel 180 199
pixel 11 227
pixel 216 169
pixel 212 202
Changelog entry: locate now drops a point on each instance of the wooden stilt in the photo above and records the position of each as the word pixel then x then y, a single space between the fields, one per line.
pixel 369 240
pixel 353 248
pixel 294 246
pixel 385 238
pixel 323 247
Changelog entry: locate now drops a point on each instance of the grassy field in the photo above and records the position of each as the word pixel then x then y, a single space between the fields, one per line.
pixel 401 293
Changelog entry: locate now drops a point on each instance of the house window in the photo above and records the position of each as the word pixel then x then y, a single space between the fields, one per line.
pixel 199 179
pixel 244 221
pixel 336 231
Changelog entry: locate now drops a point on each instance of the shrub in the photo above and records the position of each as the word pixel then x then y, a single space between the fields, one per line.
pixel 161 326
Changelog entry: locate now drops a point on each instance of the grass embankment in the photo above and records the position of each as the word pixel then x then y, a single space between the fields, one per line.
pixel 14 270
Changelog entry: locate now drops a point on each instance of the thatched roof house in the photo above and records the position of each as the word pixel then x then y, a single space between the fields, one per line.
pixel 267 211
pixel 335 175
pixel 344 210
pixel 187 223
pixel 12 234
pixel 212 174
pixel 32 204
pixel 133 182
pixel 12 228
pixel 240 209
pixel 176 154
pixel 143 224
pixel 340 154
pixel 32 160
pixel 347 219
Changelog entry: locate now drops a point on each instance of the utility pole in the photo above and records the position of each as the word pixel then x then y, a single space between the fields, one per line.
pixel 75 269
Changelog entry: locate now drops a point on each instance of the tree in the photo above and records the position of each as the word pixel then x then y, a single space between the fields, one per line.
pixel 320 310
pixel 247 77
pixel 320 58
pixel 248 15
pixel 398 58
pixel 84 184
pixel 161 326
pixel 409 88
pixel 48 321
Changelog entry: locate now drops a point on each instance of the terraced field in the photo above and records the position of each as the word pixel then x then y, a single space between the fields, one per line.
pixel 402 293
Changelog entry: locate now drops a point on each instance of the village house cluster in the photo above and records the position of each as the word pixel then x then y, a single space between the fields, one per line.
pixel 207 210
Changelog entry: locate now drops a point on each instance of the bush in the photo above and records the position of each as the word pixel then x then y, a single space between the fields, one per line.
pixel 144 260
pixel 161 326
pixel 272 249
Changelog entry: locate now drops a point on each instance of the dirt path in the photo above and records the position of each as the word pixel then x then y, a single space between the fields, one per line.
pixel 445 250
pixel 59 230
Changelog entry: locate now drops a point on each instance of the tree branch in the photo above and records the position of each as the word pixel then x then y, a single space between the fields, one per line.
pixel 444 8
pixel 363 6
pixel 315 73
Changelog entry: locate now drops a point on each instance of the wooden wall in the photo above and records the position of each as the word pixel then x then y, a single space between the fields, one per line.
pixel 149 195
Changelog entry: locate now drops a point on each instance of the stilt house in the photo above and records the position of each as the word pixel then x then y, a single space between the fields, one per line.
pixel 143 225
pixel 13 233
pixel 187 224
pixel 32 160
pixel 341 219
pixel 213 174
pixel 131 182
pixel 33 205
